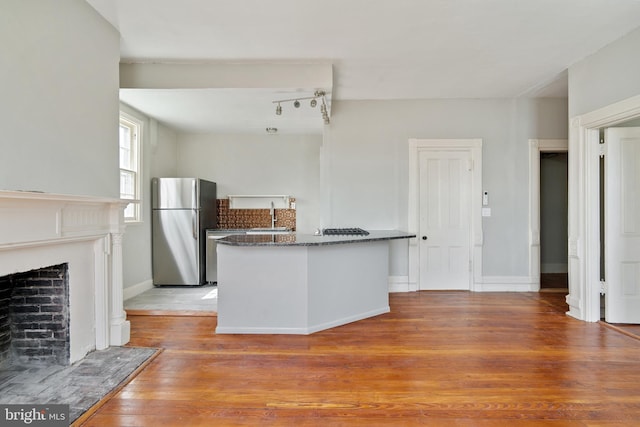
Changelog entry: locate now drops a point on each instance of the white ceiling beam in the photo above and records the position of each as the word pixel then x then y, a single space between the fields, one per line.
pixel 226 76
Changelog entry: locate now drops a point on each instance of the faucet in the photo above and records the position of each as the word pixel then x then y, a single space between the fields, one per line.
pixel 272 212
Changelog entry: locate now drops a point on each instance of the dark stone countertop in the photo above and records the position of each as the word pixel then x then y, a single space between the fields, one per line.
pixel 300 239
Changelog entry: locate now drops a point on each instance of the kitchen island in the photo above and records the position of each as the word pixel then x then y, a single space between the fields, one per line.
pixel 301 283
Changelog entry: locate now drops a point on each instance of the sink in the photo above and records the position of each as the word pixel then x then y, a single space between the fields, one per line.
pixel 268 230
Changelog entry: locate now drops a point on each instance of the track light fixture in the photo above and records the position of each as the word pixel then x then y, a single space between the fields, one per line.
pixel 317 95
pixel 323 110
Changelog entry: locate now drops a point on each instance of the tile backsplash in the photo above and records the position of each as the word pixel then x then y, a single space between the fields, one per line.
pixel 253 218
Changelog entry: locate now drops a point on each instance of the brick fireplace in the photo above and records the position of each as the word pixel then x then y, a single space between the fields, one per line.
pixel 34 317
pixel 71 246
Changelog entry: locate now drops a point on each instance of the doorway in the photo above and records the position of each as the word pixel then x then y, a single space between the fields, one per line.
pixel 554 220
pixel 550 148
pixel 584 205
pixel 445 203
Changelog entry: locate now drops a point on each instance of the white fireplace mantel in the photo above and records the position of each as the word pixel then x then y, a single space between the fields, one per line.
pixel 41 229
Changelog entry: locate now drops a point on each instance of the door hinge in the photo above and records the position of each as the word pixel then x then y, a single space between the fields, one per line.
pixel 470 165
pixel 603 287
pixel 602 148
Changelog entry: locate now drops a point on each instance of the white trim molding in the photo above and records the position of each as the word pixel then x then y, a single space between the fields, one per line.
pixel 38 230
pixel 401 284
pixel 474 147
pixel 537 146
pixel 137 289
pixel 584 205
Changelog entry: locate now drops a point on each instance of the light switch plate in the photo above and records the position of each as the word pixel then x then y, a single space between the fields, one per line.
pixel 486 211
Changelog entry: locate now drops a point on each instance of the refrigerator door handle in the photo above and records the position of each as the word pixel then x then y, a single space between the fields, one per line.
pixel 194 224
pixel 195 195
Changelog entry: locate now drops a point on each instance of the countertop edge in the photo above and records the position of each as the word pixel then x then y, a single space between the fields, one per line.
pixel 295 239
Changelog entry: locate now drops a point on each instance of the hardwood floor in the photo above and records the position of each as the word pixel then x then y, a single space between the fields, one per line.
pixel 438 359
pixel 554 280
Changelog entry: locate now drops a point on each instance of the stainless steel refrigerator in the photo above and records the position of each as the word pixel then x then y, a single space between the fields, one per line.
pixel 182 210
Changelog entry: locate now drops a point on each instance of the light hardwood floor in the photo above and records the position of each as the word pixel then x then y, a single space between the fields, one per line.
pixel 438 359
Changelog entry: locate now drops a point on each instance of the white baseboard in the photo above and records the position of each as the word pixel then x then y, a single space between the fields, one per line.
pixel 507 284
pixel 401 284
pixel 301 330
pixel 136 289
pixel 486 284
pixel 575 307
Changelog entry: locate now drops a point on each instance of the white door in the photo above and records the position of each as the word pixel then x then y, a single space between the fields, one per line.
pixel 445 219
pixel 622 225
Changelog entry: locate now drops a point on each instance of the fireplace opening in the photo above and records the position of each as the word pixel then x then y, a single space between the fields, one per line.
pixel 34 317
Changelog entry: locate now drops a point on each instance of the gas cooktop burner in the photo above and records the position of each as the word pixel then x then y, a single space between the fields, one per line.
pixel 345 232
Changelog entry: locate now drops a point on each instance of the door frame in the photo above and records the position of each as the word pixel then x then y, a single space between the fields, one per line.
pixel 584 204
pixel 536 147
pixel 474 148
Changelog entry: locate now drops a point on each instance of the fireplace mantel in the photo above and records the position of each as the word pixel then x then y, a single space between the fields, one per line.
pixel 42 229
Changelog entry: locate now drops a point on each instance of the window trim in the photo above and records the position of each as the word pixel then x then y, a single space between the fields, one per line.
pixel 137 125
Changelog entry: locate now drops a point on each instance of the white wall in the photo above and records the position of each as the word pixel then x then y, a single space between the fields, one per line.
pixel 608 76
pixel 158 159
pixel 258 164
pixel 59 98
pixel 239 164
pixel 164 151
pixel 365 165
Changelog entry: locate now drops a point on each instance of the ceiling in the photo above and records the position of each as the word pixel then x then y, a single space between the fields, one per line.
pixel 379 49
pixel 226 111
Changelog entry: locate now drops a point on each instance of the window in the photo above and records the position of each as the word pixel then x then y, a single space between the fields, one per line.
pixel 130 175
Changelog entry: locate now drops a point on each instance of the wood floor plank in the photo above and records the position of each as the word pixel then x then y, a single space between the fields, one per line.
pixel 438 358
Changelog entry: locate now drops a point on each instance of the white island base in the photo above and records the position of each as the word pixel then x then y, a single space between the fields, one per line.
pixel 300 289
